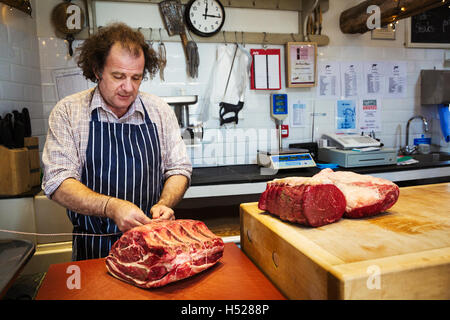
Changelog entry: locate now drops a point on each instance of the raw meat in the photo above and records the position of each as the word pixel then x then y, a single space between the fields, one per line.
pixel 164 251
pixel 365 195
pixel 310 201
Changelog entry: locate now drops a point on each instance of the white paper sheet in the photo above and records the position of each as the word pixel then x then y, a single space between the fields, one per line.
pixel 351 79
pixel 273 71
pixel 260 70
pixel 369 115
pixel 329 82
pixel 69 81
pixel 374 79
pixel 395 79
pixel 298 114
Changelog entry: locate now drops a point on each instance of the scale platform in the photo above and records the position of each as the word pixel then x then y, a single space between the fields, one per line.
pixel 349 158
pixel 285 159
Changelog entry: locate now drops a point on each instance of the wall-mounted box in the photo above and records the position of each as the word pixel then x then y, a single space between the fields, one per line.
pixel 434 86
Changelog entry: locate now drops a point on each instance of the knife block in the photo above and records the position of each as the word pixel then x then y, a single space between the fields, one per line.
pixel 32 144
pixel 14 171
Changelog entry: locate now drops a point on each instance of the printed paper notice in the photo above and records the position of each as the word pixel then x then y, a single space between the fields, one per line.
pixel 374 79
pixel 346 116
pixel 370 115
pixel 395 80
pixel 351 79
pixel 329 84
pixel 69 81
pixel 298 118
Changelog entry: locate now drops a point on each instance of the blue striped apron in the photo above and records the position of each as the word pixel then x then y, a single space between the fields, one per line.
pixel 122 161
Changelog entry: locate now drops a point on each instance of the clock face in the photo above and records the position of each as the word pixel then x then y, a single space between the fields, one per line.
pixel 205 17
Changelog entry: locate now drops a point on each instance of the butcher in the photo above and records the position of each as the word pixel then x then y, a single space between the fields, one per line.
pixel 114 156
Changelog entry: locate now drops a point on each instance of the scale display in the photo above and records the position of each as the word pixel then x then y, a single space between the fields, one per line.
pixel 279 106
pixel 292 161
pixel 285 161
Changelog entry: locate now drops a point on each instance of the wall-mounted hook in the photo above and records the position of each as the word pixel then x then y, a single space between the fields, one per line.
pixel 264 45
pixel 243 42
pixel 160 37
pixel 224 39
pixel 293 38
pixel 151 34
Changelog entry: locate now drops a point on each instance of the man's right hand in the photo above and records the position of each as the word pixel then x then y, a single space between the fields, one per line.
pixel 125 214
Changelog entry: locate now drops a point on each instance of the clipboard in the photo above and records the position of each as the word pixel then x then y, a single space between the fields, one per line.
pixel 265 69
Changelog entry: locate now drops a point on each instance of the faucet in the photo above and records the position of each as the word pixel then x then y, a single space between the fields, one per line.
pixel 411 149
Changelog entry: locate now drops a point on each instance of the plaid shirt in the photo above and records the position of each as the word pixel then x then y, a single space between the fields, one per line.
pixel 68 133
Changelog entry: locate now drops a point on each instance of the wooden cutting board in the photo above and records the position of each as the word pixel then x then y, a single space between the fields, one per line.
pixel 234 277
pixel 403 253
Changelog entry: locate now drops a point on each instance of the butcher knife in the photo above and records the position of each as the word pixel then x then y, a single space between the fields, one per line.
pixel 6 131
pixel 27 122
pixel 18 130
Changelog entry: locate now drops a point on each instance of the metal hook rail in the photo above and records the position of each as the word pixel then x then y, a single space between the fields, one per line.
pixel 262 38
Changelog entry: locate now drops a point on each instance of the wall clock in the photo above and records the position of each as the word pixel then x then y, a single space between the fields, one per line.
pixel 204 17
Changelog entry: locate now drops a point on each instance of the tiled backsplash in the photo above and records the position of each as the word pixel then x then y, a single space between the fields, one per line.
pixel 238 144
pixel 26 79
pixel 20 78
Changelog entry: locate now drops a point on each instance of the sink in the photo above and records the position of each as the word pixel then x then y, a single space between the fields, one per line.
pixel 432 157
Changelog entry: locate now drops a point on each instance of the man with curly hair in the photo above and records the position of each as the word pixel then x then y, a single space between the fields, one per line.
pixel 114 156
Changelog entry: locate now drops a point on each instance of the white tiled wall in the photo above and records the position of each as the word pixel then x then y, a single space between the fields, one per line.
pixel 20 78
pixel 235 144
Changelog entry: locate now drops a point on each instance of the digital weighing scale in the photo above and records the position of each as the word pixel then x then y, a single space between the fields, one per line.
pixel 283 158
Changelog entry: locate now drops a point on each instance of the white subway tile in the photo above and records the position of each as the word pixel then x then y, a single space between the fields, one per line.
pixel 5 73
pixel 434 54
pixel 12 91
pixel 3 34
pixel 415 54
pixel 49 93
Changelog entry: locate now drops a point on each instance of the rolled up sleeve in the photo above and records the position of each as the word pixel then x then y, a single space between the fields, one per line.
pixel 174 154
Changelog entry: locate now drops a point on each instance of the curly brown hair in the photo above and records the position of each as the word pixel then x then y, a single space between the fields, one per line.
pixel 94 51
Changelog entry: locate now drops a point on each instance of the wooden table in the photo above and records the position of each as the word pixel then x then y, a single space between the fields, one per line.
pixel 401 254
pixel 234 277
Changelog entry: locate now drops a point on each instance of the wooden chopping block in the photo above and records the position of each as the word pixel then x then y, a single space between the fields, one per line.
pixel 32 144
pixel 14 171
pixel 401 254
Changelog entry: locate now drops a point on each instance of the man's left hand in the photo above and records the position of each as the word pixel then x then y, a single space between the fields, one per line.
pixel 160 211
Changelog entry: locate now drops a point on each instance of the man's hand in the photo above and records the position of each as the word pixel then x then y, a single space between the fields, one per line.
pixel 125 214
pixel 160 211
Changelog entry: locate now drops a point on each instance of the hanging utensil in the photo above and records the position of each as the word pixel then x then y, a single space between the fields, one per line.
pixel 225 107
pixel 193 58
pixel 172 13
pixel 162 59
pixel 68 19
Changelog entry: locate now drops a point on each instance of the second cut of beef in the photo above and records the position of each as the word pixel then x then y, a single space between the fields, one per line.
pixel 365 195
pixel 309 201
pixel 163 251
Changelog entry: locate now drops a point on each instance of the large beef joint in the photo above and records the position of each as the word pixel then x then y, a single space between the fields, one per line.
pixel 365 195
pixel 328 196
pixel 164 251
pixel 309 201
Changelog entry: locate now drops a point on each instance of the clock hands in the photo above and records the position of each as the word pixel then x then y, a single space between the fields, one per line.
pixel 206 9
pixel 211 16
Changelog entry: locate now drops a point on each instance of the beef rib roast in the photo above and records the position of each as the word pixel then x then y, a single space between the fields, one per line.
pixel 310 201
pixel 163 251
pixel 365 195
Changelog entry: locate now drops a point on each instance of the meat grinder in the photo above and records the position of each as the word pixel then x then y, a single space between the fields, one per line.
pixel 190 133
